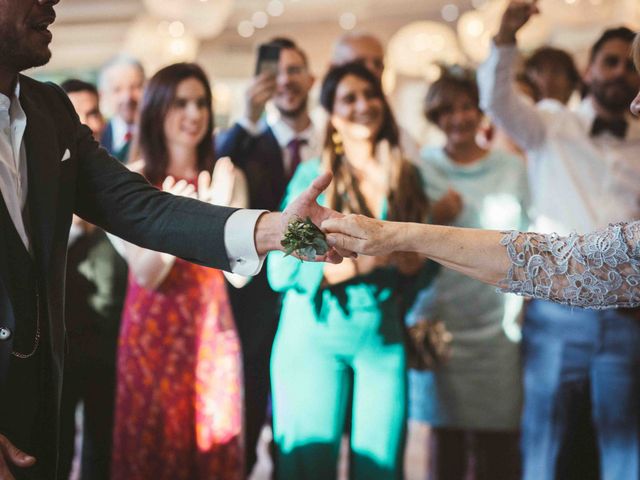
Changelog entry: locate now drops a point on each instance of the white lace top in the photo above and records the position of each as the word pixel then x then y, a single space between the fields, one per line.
pixel 597 270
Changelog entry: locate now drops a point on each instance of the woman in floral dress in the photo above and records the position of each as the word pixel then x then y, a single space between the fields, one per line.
pixel 179 397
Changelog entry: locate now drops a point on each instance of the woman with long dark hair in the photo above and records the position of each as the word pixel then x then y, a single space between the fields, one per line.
pixel 179 394
pixel 340 336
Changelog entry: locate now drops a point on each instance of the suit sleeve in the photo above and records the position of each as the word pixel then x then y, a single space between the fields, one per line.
pixel 235 143
pixel 125 204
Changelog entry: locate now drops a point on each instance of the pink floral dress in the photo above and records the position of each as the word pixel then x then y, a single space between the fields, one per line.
pixel 179 392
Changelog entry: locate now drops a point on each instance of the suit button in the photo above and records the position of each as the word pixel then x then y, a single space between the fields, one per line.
pixel 5 333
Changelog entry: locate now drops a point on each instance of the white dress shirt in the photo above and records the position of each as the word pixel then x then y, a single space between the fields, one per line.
pixel 578 182
pixel 238 231
pixel 13 161
pixel 119 129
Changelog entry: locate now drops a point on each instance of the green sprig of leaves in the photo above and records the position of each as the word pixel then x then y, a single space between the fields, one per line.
pixel 305 239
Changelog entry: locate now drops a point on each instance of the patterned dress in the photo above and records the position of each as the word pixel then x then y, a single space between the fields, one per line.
pixel 179 395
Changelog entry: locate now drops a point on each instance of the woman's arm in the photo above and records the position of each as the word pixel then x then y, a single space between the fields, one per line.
pixel 476 253
pixel 598 270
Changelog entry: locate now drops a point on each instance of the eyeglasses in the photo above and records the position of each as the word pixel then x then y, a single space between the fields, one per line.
pixel 293 70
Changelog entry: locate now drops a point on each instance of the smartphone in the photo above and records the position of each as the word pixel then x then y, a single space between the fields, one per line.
pixel 268 57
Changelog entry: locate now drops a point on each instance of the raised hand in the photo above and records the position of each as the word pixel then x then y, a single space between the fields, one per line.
pixel 516 15
pixel 260 91
pixel 11 455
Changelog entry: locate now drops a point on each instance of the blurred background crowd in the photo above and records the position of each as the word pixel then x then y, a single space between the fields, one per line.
pixel 377 368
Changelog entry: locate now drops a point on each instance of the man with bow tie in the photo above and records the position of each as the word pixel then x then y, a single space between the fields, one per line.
pixel 50 168
pixel 584 173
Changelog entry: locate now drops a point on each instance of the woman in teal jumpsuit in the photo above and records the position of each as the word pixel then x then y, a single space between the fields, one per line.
pixel 340 335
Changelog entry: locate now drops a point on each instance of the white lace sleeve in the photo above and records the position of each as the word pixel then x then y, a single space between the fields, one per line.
pixel 597 270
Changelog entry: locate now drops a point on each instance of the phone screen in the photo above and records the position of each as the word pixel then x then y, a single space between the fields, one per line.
pixel 268 57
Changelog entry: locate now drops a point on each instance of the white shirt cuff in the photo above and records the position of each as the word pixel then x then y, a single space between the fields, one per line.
pixel 239 241
pixel 253 129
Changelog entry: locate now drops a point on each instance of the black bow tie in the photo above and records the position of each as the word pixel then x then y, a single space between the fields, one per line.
pixel 617 127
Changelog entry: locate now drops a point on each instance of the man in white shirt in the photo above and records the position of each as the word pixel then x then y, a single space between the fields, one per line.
pixel 581 367
pixel 121 86
pixel 268 152
pixel 51 167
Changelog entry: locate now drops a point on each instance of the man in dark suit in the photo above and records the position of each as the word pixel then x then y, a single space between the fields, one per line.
pixel 268 155
pixel 121 85
pixel 50 166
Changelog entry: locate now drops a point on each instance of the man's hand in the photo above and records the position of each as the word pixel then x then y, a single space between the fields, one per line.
pixel 10 455
pixel 360 234
pixel 260 91
pixel 271 226
pixel 516 15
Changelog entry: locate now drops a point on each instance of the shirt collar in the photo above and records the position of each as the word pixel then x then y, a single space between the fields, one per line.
pixel 119 129
pixel 6 102
pixel 284 133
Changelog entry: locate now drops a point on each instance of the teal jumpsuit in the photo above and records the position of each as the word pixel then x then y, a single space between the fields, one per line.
pixel 332 343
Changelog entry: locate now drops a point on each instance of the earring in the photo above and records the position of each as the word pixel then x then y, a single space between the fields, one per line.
pixel 338 147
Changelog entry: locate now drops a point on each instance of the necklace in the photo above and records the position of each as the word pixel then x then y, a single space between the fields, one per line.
pixel 36 340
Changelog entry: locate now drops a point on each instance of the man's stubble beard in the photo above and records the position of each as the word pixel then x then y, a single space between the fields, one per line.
pixel 17 55
pixel 617 103
pixel 296 112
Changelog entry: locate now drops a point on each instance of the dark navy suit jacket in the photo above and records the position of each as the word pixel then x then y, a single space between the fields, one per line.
pixel 101 190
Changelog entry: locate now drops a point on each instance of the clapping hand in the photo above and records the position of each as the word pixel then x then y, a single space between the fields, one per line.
pixel 181 188
pixel 11 455
pixel 226 186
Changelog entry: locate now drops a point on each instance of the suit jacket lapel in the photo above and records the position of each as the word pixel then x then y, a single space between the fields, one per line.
pixel 3 238
pixel 43 161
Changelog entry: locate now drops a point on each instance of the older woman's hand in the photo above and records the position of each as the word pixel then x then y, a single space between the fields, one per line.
pixel 361 234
